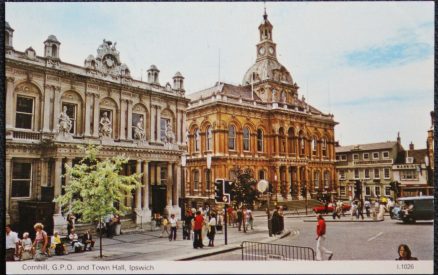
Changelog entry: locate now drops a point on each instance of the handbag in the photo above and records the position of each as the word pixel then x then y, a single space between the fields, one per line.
pixel 40 256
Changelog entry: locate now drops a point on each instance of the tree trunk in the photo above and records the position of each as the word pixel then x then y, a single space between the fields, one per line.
pixel 101 229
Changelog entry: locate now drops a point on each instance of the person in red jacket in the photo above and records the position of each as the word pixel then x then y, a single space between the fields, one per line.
pixel 320 232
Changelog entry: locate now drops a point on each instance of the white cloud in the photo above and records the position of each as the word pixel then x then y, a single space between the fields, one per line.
pixel 312 41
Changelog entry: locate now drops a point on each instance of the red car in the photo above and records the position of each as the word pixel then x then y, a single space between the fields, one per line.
pixel 321 209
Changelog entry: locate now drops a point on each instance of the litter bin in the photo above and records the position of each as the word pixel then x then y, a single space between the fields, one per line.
pixel 117 229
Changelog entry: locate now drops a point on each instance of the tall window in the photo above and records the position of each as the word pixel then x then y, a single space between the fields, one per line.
pixel 21 179
pixel 259 140
pixel 195 179
pixel 302 147
pixel 24 113
pixel 314 145
pixel 377 189
pixel 356 173
pixel 342 174
pixel 163 175
pixel 367 190
pixel 326 179
pixel 71 112
pixel 207 178
pixel 246 139
pixel 316 177
pixel 376 173
pixel 163 128
pixel 261 174
pixel 386 173
pixel 209 137
pixel 367 173
pixel 197 140
pixel 231 137
pixel 324 147
pixel 290 141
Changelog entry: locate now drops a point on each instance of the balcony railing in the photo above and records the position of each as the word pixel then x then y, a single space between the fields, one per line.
pixel 26 135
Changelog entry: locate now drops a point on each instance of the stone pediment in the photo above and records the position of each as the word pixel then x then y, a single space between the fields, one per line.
pixel 107 61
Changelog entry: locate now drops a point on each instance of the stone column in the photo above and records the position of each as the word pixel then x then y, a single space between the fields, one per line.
pixel 278 184
pixel 129 126
pixel 299 182
pixel 178 127
pixel 46 119
pixel 146 212
pixel 88 104
pixel 59 223
pixel 10 103
pixel 288 183
pixel 152 126
pixel 8 179
pixel 68 162
pixel 277 144
pixel 96 116
pixel 158 123
pixel 184 127
pixel 138 198
pixel 169 189
pixel 56 108
pixel 176 190
pixel 123 119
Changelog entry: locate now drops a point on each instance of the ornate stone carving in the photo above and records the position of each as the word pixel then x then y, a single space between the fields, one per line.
pixel 139 132
pixel 106 128
pixel 170 136
pixel 64 125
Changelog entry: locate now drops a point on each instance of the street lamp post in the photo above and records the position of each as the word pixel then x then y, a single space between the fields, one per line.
pixel 262 186
pixel 208 175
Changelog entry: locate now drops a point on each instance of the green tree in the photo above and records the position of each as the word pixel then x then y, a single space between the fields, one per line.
pixel 95 187
pixel 244 189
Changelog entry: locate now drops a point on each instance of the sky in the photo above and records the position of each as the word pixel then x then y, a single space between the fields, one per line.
pixel 370 64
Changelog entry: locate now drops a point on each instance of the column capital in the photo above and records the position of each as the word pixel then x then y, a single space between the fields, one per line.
pixel 10 79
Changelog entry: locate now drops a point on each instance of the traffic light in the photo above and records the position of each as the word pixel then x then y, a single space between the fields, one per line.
pixel 219 185
pixel 228 186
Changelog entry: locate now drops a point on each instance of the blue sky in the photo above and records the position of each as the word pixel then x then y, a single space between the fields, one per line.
pixel 370 64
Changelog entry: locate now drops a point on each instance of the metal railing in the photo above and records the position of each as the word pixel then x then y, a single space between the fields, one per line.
pixel 255 251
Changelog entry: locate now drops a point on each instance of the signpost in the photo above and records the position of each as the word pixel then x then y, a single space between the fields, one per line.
pixel 223 195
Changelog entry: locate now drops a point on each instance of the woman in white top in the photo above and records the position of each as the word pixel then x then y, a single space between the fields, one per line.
pixel 26 247
pixel 211 229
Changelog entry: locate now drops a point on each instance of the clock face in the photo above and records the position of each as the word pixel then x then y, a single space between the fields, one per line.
pixel 262 51
pixel 271 50
pixel 109 61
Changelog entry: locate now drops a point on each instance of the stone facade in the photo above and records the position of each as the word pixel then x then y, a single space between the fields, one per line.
pixel 52 107
pixel 262 125
pixel 371 164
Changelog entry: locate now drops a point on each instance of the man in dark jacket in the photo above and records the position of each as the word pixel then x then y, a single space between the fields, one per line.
pixel 239 218
pixel 87 239
pixel 187 225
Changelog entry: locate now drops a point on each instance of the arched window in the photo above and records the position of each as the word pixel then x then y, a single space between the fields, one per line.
pixel 195 179
pixel 326 179
pixel 231 138
pixel 324 147
pixel 261 174
pixel 197 140
pixel 314 145
pixel 259 140
pixel 316 179
pixel 290 141
pixel 209 139
pixel 54 51
pixel 302 146
pixel 282 140
pixel 246 139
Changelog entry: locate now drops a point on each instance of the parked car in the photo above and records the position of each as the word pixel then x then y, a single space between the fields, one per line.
pixel 411 209
pixel 321 209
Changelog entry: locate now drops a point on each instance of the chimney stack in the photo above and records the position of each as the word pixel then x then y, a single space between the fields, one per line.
pixel 411 146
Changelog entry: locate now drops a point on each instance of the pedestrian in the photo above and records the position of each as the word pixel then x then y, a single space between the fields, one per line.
pixel 281 218
pixel 336 210
pixel 276 222
pixel 109 225
pixel 173 222
pixel 320 232
pixel 87 240
pixel 40 242
pixel 390 205
pixel 244 220
pixel 359 209
pixel 187 225
pixel 326 204
pixel 75 243
pixel 26 249
pixel 197 225
pixel 12 244
pixel 367 205
pixel 164 226
pixel 211 229
pixel 230 215
pixel 353 209
pixel 239 218
pixel 381 214
pixel 404 253
pixel 250 219
pixel 71 218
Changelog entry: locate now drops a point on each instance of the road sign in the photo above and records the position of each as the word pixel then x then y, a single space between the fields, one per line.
pixel 226 198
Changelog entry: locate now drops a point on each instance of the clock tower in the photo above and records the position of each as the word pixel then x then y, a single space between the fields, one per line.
pixel 266 48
